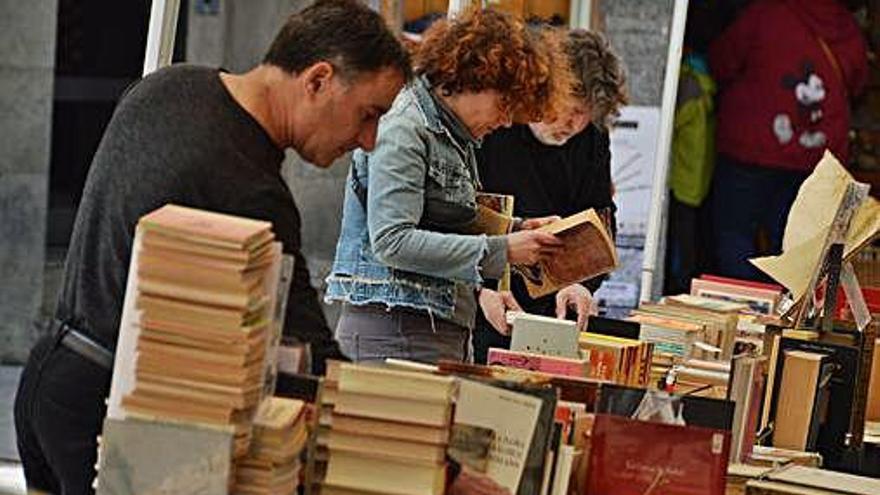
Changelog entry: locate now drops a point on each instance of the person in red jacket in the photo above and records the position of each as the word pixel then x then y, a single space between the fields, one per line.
pixel 786 71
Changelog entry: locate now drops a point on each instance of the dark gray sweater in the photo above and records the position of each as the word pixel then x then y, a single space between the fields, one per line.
pixel 178 136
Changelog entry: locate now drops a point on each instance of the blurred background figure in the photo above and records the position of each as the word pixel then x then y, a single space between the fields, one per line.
pixel 787 71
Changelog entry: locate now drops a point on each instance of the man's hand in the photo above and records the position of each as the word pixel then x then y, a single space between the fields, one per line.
pixel 537 223
pixel 495 306
pixel 527 247
pixel 470 482
pixel 577 297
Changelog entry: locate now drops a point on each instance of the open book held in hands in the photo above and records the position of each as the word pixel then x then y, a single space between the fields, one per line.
pixel 589 251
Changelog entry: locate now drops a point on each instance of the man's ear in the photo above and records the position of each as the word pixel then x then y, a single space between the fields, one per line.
pixel 317 77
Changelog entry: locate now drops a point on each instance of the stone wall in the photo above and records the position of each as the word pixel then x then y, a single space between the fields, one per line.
pixel 27 59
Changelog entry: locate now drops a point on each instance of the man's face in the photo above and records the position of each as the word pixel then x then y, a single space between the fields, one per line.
pixel 574 119
pixel 344 114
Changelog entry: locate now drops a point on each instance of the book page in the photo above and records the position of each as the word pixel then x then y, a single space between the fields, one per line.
pixel 511 415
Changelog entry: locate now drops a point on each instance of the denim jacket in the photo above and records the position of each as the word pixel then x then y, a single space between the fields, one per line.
pixel 403 246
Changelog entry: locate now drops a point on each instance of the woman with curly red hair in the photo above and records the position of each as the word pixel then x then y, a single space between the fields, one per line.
pixel 406 268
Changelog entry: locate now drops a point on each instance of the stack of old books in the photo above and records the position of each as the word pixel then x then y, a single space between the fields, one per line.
pixel 272 466
pixel 389 432
pixel 616 359
pixel 674 341
pixel 329 391
pixel 693 337
pixel 719 320
pixel 205 293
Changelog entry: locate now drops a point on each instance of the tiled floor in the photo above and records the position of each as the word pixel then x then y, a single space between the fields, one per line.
pixel 11 480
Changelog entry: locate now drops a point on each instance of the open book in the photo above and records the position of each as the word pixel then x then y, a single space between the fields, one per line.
pixel 495 217
pixel 589 251
pixel 494 214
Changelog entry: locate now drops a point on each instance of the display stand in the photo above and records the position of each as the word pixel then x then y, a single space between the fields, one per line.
pixel 817 314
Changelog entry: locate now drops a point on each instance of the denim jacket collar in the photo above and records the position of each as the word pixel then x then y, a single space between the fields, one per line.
pixel 434 110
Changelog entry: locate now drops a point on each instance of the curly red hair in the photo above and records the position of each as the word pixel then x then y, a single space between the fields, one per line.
pixel 484 50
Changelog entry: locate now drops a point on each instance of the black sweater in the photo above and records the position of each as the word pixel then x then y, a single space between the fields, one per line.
pixel 178 137
pixel 547 180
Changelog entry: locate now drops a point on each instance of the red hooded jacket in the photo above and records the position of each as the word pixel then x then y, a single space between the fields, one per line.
pixel 783 98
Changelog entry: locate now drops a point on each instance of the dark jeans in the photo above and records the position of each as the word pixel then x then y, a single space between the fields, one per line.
pixel 374 333
pixel 745 198
pixel 59 409
pixel 485 337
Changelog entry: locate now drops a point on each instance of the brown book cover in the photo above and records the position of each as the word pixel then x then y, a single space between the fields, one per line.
pixel 494 214
pixel 401 449
pixel 212 318
pixel 495 217
pixel 217 344
pixel 800 394
pixel 390 429
pixel 206 227
pixel 589 251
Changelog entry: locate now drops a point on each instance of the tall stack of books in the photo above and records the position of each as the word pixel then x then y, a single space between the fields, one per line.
pixel 761 298
pixel 719 318
pixel 389 432
pixel 675 341
pixel 272 467
pixel 616 359
pixel 329 391
pixel 693 336
pixel 205 292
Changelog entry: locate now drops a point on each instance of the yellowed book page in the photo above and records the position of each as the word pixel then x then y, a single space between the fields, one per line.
pixel 794 268
pixel 809 222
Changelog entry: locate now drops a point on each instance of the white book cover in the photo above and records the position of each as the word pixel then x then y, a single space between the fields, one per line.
pixel 511 415
pixel 564 466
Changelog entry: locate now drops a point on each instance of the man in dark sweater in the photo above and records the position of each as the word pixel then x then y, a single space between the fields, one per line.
pixel 558 168
pixel 212 140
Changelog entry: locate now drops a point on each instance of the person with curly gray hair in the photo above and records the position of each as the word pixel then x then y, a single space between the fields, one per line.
pixel 559 167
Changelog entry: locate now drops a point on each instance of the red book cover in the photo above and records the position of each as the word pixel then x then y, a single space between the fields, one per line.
pixel 872 300
pixel 603 365
pixel 630 457
pixel 741 282
pixel 552 365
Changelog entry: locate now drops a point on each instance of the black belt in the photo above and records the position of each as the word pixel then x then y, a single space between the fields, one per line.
pixel 85 346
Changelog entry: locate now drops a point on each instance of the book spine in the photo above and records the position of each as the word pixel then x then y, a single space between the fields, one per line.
pixel 544 364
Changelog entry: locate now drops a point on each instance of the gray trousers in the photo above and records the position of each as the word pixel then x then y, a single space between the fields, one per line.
pixel 374 333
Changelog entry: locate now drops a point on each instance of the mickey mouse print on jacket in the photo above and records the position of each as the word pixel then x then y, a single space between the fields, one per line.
pixel 783 97
pixel 808 90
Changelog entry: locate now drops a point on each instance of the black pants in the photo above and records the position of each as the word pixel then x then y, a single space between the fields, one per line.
pixel 59 409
